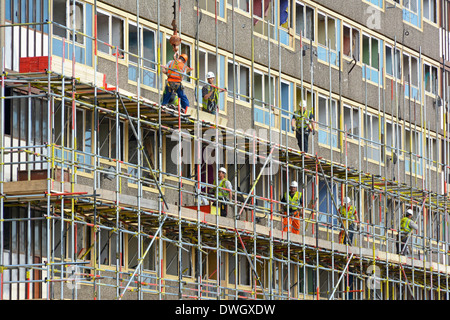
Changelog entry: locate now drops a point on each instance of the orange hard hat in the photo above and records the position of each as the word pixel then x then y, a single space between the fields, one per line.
pixel 184 56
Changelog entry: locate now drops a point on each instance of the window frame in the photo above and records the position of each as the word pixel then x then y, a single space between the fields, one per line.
pixel 304 34
pixel 110 34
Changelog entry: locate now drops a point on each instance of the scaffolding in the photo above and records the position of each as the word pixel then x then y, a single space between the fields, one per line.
pixel 83 221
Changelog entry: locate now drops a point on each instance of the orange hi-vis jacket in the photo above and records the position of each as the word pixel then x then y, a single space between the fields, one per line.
pixel 176 67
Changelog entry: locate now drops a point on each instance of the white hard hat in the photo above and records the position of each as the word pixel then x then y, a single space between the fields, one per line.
pixel 222 169
pixel 294 184
pixel 302 103
pixel 409 212
pixel 210 75
pixel 346 200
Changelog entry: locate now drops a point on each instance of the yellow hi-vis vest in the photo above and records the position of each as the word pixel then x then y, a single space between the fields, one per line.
pixel 299 116
pixel 348 212
pixel 294 201
pixel 404 225
pixel 214 97
pixel 222 192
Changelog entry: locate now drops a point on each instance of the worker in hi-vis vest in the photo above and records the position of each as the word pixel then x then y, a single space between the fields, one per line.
pixel 174 70
pixel 350 221
pixel 302 124
pixel 406 226
pixel 223 191
pixel 293 201
pixel 210 94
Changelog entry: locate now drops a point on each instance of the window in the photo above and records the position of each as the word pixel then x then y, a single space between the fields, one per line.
pixel 411 76
pixel 393 62
pixel 431 152
pixel 370 52
pixel 328 121
pixel 378 3
pixel 244 5
pixel 372 58
pixel 285 17
pixel 328 38
pixel 172 258
pixel 351 121
pixel 63 14
pixel 149 262
pixel 411 12
pixel 351 42
pixel 108 247
pixel 264 98
pixel 110 32
pixel 285 21
pixel 430 74
pixel 413 156
pixel 213 6
pixel 372 137
pixel 393 140
pixel 263 14
pixel 304 21
pixel 287 105
pixel 107 138
pixel 148 54
pixel 148 138
pixel 241 85
pixel 429 10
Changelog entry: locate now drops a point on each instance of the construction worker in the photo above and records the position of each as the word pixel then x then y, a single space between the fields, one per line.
pixel 291 222
pixel 210 94
pixel 224 191
pixel 406 224
pixel 174 70
pixel 350 222
pixel 302 124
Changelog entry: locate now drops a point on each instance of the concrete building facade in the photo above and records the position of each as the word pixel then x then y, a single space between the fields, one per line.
pixel 105 193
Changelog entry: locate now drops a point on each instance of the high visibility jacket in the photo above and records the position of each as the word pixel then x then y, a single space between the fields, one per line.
pixel 294 201
pixel 348 212
pixel 214 98
pixel 222 192
pixel 302 119
pixel 177 67
pixel 404 225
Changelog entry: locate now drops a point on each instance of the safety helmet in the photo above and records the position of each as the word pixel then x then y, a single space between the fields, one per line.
pixel 184 56
pixel 210 75
pixel 294 184
pixel 409 212
pixel 222 169
pixel 346 200
pixel 302 103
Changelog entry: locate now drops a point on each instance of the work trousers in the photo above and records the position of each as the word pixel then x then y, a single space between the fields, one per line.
pixel 180 92
pixel 343 237
pixel 292 223
pixel 401 243
pixel 302 141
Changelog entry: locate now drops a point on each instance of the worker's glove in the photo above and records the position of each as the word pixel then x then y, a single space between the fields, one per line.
pixel 314 132
pixel 293 128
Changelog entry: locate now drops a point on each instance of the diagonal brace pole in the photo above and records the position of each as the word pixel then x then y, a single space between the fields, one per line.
pixel 340 278
pixel 141 147
pixel 143 257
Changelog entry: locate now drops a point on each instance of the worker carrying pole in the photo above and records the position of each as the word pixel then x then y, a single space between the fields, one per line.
pixel 291 219
pixel 406 224
pixel 350 221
